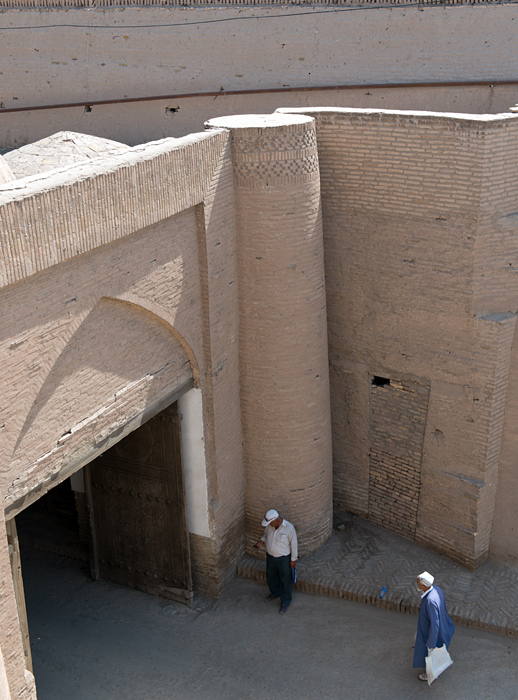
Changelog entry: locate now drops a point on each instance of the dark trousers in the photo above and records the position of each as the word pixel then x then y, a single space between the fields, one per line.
pixel 279 577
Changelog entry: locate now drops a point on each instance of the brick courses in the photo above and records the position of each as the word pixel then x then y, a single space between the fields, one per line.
pixel 397 423
pixel 201 261
pixel 418 229
pixel 283 345
pixel 136 302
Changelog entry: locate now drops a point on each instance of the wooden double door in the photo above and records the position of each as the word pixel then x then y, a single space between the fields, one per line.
pixel 138 520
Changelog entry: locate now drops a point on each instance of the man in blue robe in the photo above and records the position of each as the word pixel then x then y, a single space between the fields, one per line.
pixel 434 626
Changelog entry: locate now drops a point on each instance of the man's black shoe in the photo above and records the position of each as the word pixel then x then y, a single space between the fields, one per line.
pixel 283 609
pixel 270 597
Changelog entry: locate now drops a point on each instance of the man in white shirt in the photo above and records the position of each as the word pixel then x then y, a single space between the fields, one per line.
pixel 281 557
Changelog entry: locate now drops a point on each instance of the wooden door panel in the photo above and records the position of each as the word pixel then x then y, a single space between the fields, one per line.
pixel 16 570
pixel 139 510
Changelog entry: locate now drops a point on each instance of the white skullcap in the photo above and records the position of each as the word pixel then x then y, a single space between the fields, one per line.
pixel 426 578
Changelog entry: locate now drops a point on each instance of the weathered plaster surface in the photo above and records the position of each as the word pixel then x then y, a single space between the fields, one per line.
pixel 57 152
pixel 177 50
pixel 6 174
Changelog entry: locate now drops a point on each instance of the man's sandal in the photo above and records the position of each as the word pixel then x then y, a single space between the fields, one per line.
pixel 423 677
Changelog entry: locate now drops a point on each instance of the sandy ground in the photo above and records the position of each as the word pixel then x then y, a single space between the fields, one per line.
pixel 97 641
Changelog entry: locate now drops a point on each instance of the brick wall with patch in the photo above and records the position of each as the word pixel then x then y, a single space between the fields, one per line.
pixel 409 204
pixel 397 423
pixel 125 280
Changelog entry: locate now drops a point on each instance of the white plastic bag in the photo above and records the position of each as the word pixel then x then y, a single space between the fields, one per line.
pixel 437 661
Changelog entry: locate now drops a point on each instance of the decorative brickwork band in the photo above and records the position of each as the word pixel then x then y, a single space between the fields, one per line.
pixel 264 160
pixel 283 340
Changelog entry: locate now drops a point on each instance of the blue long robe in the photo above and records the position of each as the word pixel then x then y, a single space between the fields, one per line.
pixel 434 626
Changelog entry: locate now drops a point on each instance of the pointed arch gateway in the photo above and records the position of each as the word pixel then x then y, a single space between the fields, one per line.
pixel 115 388
pixel 120 366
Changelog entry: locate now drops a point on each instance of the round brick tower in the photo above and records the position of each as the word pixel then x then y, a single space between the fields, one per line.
pixel 283 330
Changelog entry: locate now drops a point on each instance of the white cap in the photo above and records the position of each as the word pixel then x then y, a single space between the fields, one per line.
pixel 426 578
pixel 270 516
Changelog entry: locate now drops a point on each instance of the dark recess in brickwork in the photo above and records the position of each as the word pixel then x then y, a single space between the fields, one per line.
pixel 380 381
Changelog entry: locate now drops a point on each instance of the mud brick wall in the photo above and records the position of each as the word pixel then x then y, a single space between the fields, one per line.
pixel 125 298
pixel 158 248
pixel 369 45
pixel 397 424
pixel 415 274
pixel 283 345
pixel 417 213
pixel 496 291
pixel 217 259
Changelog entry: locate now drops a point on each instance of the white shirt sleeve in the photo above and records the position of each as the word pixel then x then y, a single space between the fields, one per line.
pixel 294 545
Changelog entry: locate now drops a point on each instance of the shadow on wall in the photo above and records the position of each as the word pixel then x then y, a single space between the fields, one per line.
pixel 88 365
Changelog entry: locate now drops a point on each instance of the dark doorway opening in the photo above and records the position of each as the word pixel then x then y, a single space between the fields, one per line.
pixel 125 520
pixel 126 517
pixel 56 523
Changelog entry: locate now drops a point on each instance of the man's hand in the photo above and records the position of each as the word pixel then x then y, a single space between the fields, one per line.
pixel 259 544
pixel 293 564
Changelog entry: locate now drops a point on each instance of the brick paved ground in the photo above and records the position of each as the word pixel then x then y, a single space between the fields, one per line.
pixel 361 559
